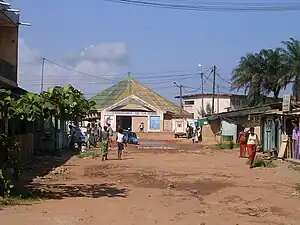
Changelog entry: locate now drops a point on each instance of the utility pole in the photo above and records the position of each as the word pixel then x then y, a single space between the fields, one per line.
pixel 180 86
pixel 181 102
pixel 202 93
pixel 214 88
pixel 42 75
pixel 218 98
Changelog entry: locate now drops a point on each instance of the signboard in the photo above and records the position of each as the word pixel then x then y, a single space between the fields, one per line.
pixel 286 103
pixel 154 123
pixel 122 113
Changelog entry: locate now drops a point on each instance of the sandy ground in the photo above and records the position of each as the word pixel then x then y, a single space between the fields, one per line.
pixel 196 187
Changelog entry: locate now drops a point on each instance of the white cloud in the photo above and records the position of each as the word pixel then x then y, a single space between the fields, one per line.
pixel 102 60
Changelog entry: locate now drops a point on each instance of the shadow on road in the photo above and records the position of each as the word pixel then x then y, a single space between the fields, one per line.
pixel 61 191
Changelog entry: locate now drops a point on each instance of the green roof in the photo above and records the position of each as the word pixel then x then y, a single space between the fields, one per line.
pixel 128 87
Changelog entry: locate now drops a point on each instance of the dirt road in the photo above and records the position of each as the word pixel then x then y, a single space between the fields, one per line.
pixel 211 187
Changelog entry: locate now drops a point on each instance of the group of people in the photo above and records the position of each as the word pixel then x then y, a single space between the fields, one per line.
pixel 194 134
pixel 106 139
pixel 248 141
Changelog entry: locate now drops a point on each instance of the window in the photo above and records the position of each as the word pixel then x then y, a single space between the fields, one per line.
pixel 189 102
pixel 238 102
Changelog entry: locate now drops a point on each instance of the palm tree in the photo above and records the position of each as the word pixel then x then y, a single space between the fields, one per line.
pixel 291 57
pixel 248 75
pixel 274 71
pixel 258 75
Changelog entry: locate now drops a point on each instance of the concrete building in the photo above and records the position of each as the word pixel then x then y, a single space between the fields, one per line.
pixel 129 103
pixel 9 35
pixel 223 103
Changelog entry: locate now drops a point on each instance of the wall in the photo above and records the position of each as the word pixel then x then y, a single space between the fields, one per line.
pixel 224 102
pixel 238 102
pixel 9 51
pixel 251 121
pixel 137 120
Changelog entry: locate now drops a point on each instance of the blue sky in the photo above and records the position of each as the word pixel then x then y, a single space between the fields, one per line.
pixel 152 39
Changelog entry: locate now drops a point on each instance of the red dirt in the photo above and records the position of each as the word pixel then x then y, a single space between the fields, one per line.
pixel 154 187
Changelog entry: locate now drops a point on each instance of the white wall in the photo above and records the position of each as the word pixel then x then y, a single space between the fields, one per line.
pixel 223 104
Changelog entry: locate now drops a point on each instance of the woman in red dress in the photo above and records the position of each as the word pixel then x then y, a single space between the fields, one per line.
pixel 242 140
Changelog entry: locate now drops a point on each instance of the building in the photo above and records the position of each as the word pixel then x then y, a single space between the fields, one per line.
pixel 129 103
pixel 9 35
pixel 223 103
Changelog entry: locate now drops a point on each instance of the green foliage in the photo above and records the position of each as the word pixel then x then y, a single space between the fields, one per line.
pixel 28 107
pixel 208 109
pixel 9 164
pixel 268 72
pixel 264 163
pixel 66 102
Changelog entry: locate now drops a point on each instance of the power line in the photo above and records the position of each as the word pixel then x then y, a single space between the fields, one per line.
pixel 224 79
pixel 213 6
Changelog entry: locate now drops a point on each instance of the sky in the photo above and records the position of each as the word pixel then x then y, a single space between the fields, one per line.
pixel 103 41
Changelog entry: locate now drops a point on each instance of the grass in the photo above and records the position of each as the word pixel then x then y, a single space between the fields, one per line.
pixel 264 163
pixel 89 154
pixel 224 146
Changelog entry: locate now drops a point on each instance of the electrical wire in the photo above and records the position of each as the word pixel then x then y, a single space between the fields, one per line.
pixel 223 79
pixel 213 6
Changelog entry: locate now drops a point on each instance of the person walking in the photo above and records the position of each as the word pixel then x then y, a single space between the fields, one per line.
pixel 104 144
pixel 110 133
pixel 120 142
pixel 142 127
pixel 296 140
pixel 242 140
pixel 252 143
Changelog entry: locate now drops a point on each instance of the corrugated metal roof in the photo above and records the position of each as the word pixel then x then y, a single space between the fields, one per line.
pixel 128 87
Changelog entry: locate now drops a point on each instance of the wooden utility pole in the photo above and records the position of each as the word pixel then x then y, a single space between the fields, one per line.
pixel 218 98
pixel 181 101
pixel 202 93
pixel 214 89
pixel 42 75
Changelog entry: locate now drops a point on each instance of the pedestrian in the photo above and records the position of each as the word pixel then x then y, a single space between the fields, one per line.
pixel 252 143
pixel 242 140
pixel 142 127
pixel 72 136
pixel 196 136
pixel 92 135
pixel 120 142
pixel 104 143
pixel 88 134
pixel 200 134
pixel 296 139
pixel 110 133
pixel 100 132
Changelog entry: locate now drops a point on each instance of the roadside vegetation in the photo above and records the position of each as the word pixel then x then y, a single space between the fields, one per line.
pixel 60 103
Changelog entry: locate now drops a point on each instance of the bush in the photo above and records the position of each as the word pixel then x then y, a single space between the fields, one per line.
pixel 9 164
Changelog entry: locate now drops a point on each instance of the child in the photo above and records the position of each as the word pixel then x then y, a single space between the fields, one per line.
pixel 120 143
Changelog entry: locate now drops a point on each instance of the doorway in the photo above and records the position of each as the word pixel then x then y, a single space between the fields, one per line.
pixel 124 122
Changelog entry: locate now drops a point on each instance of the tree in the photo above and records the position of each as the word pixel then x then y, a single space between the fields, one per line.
pixel 66 103
pixel 6 107
pixel 29 107
pixel 208 108
pixel 258 75
pixel 291 61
